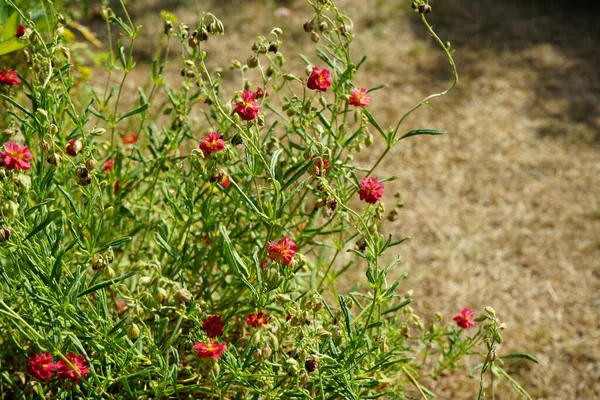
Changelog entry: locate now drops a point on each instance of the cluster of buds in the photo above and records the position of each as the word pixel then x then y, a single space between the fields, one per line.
pixel 4 235
pixel 327 204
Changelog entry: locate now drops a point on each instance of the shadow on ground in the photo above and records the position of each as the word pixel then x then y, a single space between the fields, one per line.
pixel 555 44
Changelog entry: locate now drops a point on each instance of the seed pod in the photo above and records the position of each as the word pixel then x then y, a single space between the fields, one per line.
pixel 110 273
pixel 82 172
pixel 267 352
pixel 257 355
pixel 308 26
pixel 98 262
pixel 323 26
pixel 4 235
pixel 133 332
pixel 314 36
pixel 45 146
pixel 54 159
pixel 252 62
pixel 160 296
pixel 183 296
pixel 74 147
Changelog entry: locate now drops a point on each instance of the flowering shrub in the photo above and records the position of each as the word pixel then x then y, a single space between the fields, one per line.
pixel 144 254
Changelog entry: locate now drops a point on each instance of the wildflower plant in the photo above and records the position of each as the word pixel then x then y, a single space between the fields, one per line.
pixel 145 253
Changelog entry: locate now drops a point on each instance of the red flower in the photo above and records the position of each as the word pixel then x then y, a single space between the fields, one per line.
pixel 65 371
pixel 222 178
pixel 109 164
pixel 20 31
pixel 15 156
pixel 9 77
pixel 210 349
pixel 130 138
pixel 248 108
pixel 41 366
pixel 256 320
pixel 464 319
pixel 282 251
pixel 74 147
pixel 213 326
pixel 359 98
pixel 370 190
pixel 319 79
pixel 320 167
pixel 212 143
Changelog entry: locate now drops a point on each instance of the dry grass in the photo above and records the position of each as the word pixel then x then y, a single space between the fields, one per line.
pixel 505 209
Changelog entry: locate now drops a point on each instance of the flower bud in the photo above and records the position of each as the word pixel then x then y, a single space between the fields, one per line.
pixel 110 273
pixel 490 311
pixel 74 147
pixel 323 26
pixel 235 64
pixel 91 163
pixel 23 182
pixel 4 235
pixel 425 9
pixel 133 332
pixel 144 280
pixel 160 296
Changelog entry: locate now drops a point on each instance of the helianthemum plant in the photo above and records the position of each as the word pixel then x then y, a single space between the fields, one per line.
pixel 144 254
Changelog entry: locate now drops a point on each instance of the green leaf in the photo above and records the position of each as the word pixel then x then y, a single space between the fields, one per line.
pixel 423 132
pixel 52 216
pixel 138 110
pixel 397 307
pixel 12 44
pixel 10 27
pixel 104 284
pixel 234 260
pixel 70 200
pixel 162 243
pixel 114 243
pixel 374 122
pixel 346 313
pixel 525 356
pixel 247 199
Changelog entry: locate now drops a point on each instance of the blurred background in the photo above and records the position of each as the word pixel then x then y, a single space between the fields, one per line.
pixel 504 210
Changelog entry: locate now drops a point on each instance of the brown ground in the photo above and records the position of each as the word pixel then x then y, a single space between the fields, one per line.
pixel 505 209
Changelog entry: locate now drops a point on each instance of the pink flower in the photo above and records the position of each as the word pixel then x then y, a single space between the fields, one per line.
pixel 41 366
pixel 319 79
pixel 464 319
pixel 129 138
pixel 256 320
pixel 66 372
pixel 210 349
pixel 213 326
pixel 74 147
pixel 282 251
pixel 15 155
pixel 370 190
pixel 20 31
pixel 9 77
pixel 212 143
pixel 109 164
pixel 248 108
pixel 359 98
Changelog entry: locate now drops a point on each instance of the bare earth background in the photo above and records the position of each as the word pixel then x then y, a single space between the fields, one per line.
pixel 504 210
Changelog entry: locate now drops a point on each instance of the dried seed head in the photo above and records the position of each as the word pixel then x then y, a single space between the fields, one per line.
pixel 45 146
pixel 267 352
pixel 82 172
pixel 257 355
pixel 4 235
pixel 323 27
pixel 314 36
pixel 110 273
